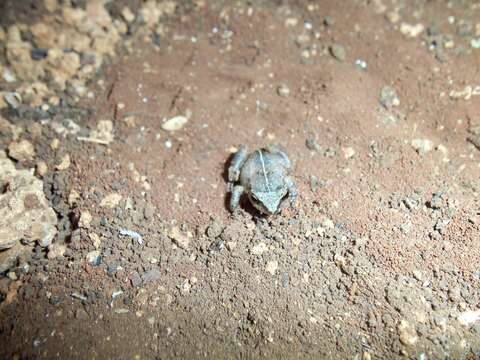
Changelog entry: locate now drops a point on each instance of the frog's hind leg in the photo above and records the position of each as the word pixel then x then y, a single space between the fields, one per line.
pixel 237 163
pixel 235 196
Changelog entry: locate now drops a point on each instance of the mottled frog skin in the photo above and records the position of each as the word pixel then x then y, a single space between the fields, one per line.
pixel 263 176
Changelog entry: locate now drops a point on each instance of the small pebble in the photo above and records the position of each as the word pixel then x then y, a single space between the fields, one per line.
pixel 56 250
pixel 272 267
pixel 313 145
pixel 422 146
pixel 38 54
pixel 41 168
pixel 9 76
pixel 64 163
pixel 338 52
pixel 361 64
pixel 21 150
pixel 13 99
pixel 93 257
pixel 175 123
pixel 388 97
pixel 411 30
pixel 407 333
pixel 85 220
pixel 475 43
pixel 328 21
pixel 259 249
pixel 283 90
pixel 348 152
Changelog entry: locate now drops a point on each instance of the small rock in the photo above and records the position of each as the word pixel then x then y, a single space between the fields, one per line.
pixel 9 76
pixel 411 30
pixel 302 39
pixel 475 43
pixel 271 267
pixel 21 150
pixel 55 144
pixel 441 225
pixel 348 152
pixel 9 258
pixel 291 22
pixel 422 146
pixel 283 90
pixel 13 99
pixel 130 120
pixel 175 123
pixel 64 163
pixel 454 295
pixel 328 223
pixel 231 245
pixel 388 97
pixel 41 168
pixel 338 52
pixel 26 214
pixel 85 220
pixel 180 239
pixel 95 239
pixel 56 250
pixel 73 197
pixel 128 15
pixel 437 201
pixel 259 249
pixel 366 356
pixel 110 201
pixel 214 229
pixel 136 280
pixel 313 145
pixel 38 54
pixel 149 212
pixel 407 333
pixel 93 257
pixel 328 21
pixel 417 274
pixel 361 64
pixel 50 5
pixel 406 227
pixel 469 317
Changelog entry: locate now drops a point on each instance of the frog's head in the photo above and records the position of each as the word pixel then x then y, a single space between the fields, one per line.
pixel 269 202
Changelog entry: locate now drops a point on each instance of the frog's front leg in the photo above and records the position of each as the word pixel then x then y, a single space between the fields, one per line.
pixel 237 163
pixel 235 196
pixel 292 194
pixel 292 190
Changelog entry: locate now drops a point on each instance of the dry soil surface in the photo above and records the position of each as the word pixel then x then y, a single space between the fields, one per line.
pixel 378 106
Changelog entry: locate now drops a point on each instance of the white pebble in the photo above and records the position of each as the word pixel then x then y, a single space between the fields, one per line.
pixel 175 123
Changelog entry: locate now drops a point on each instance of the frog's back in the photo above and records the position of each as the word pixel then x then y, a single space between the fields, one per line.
pixel 261 171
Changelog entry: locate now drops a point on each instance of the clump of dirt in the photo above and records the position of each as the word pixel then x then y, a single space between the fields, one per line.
pixel 379 259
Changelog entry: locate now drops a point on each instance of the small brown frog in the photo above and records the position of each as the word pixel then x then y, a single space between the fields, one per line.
pixel 263 176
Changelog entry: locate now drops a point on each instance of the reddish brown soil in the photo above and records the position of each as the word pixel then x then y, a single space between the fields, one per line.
pixel 354 259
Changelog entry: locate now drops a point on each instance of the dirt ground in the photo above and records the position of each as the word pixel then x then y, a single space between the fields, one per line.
pixel 377 104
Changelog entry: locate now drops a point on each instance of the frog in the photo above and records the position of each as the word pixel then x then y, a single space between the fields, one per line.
pixel 263 176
